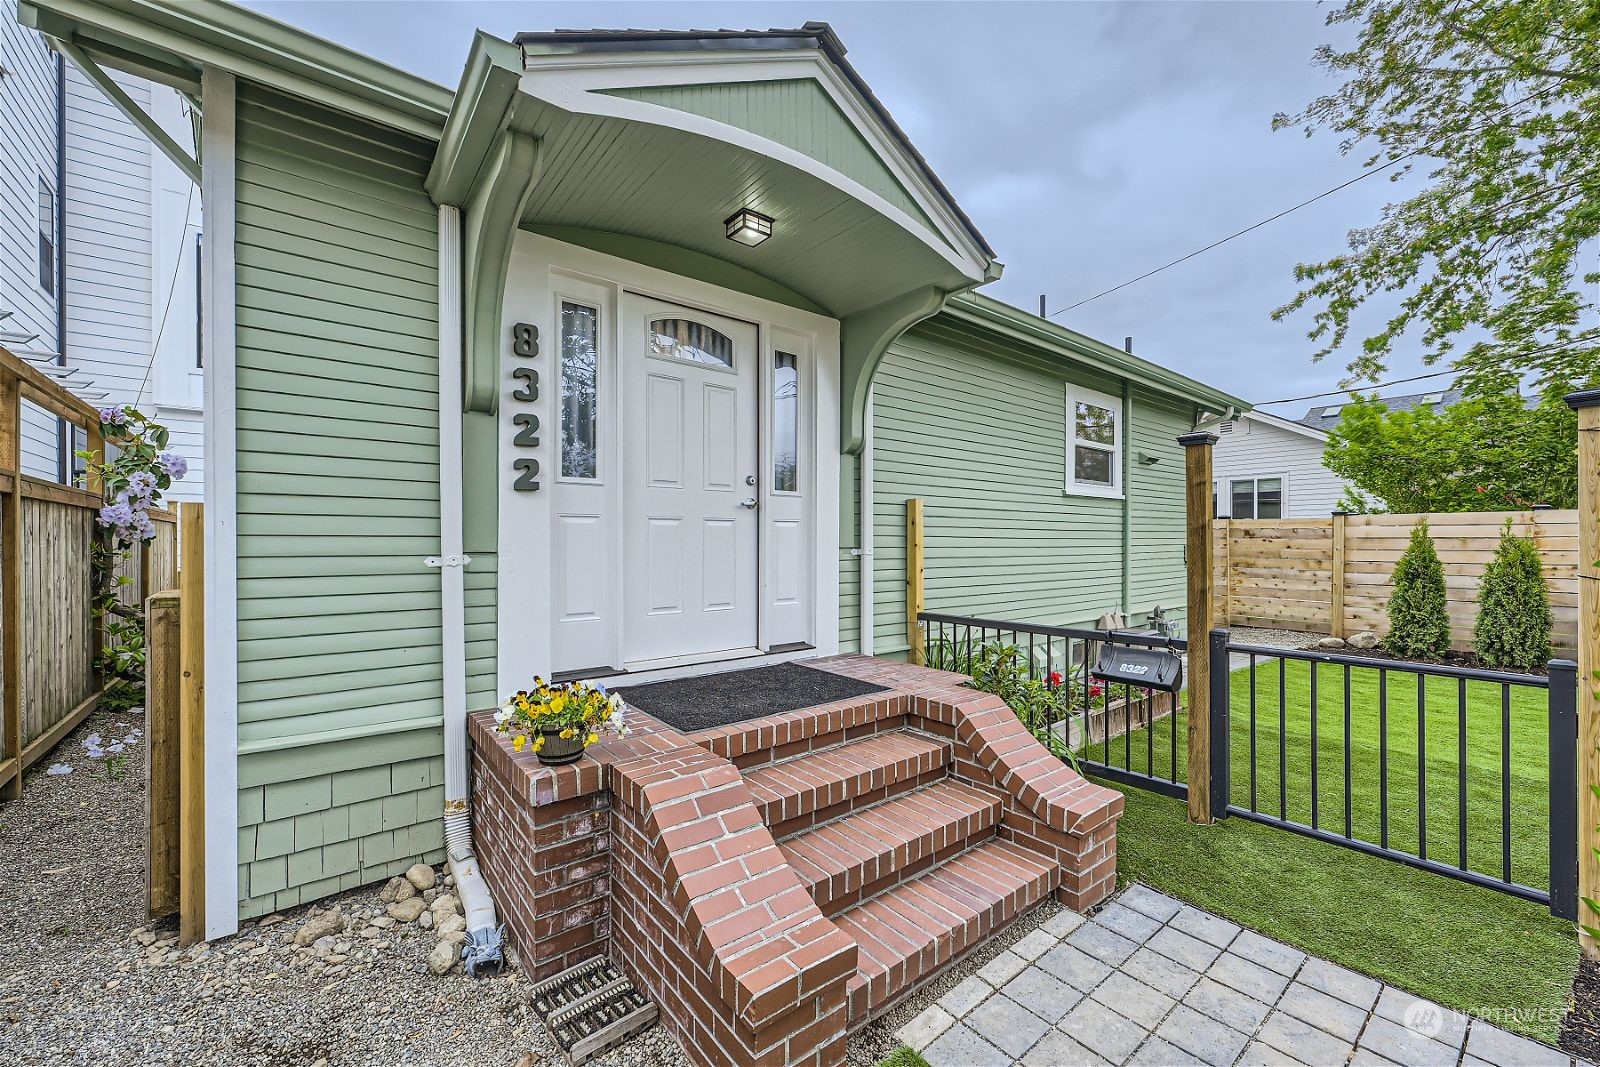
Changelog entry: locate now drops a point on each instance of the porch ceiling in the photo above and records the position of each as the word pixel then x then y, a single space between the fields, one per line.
pixel 652 181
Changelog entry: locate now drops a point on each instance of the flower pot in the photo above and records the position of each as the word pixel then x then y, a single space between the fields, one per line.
pixel 557 750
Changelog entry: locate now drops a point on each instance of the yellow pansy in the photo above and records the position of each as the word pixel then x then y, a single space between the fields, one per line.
pixel 591 739
pixel 519 741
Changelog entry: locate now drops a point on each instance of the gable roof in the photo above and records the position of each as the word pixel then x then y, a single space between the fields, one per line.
pixel 1326 416
pixel 817 36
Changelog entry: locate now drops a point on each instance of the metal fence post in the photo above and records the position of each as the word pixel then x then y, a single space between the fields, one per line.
pixel 1221 752
pixel 1564 789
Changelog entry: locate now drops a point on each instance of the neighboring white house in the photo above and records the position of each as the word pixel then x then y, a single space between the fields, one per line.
pixel 99 238
pixel 1267 467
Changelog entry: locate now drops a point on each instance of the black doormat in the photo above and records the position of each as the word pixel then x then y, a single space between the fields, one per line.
pixel 690 704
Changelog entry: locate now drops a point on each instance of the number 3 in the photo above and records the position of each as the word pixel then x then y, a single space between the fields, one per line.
pixel 528 391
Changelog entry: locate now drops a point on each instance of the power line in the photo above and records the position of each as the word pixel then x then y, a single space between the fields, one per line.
pixel 1353 388
pixel 1248 229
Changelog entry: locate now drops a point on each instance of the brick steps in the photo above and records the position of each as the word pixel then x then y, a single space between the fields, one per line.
pixel 807 790
pixel 908 933
pixel 848 860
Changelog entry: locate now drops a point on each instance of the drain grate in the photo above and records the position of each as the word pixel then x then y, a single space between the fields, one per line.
pixel 590 1007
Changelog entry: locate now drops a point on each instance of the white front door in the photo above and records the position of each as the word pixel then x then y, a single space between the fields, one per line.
pixel 689 494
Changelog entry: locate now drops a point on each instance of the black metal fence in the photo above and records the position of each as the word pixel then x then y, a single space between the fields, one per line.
pixel 1467 773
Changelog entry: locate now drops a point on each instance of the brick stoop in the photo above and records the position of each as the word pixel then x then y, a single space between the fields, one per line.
pixel 775 883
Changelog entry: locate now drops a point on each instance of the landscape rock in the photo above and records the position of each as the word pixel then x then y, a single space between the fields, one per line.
pixel 406 910
pixel 1364 640
pixel 421 876
pixel 320 925
pixel 451 923
pixel 1330 642
pixel 425 920
pixel 387 893
pixel 445 906
pixel 443 957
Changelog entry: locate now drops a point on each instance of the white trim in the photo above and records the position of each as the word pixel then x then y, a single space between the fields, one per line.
pixel 1255 501
pixel 221 500
pixel 1114 404
pixel 48 182
pixel 1269 419
pixel 453 595
pixel 570 84
pixel 866 639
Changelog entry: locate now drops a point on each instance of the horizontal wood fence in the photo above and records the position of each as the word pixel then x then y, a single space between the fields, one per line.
pixel 1336 575
pixel 49 638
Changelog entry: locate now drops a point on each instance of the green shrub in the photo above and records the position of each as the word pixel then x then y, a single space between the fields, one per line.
pixel 1419 621
pixel 1513 627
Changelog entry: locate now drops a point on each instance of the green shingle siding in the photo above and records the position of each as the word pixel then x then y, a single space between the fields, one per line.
pixel 976 428
pixel 337 400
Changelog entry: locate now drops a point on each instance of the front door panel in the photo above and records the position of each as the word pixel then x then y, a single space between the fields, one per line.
pixel 690 455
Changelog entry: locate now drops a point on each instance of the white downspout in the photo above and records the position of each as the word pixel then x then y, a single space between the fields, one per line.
pixel 483 951
pixel 865 611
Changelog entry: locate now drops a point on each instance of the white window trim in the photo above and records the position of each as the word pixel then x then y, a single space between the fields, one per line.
pixel 1283 489
pixel 1103 400
pixel 45 181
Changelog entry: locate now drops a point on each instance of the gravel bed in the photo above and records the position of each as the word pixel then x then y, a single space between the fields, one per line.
pixel 84 979
pixel 1250 635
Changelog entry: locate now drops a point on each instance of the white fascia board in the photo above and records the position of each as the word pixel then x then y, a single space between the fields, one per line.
pixel 1267 419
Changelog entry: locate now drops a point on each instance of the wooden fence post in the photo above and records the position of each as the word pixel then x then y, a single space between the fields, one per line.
pixel 1338 628
pixel 192 725
pixel 1587 404
pixel 1197 505
pixel 163 689
pixel 11 589
pixel 917 653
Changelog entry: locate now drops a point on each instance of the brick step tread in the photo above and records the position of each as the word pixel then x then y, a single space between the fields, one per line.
pixel 907 934
pixel 840 858
pixel 834 776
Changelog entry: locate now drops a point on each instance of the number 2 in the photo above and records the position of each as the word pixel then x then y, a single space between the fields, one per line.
pixel 529 469
pixel 530 426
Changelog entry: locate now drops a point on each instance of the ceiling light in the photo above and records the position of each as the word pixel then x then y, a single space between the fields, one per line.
pixel 748 227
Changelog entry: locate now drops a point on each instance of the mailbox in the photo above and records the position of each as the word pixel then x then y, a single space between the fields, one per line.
pixel 1145 668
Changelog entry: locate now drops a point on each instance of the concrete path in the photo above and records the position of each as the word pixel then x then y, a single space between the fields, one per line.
pixel 1150 980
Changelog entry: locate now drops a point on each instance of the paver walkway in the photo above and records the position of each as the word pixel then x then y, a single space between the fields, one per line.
pixel 1150 980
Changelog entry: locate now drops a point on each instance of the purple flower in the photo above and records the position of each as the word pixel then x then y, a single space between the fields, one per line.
pixel 143 527
pixel 118 514
pixel 142 483
pixel 116 413
pixel 173 464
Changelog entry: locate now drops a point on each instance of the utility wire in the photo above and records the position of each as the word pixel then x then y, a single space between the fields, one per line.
pixel 1354 388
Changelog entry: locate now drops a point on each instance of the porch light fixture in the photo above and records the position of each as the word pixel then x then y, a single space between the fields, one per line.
pixel 748 227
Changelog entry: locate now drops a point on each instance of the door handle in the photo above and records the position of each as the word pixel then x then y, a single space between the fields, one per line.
pixel 749 504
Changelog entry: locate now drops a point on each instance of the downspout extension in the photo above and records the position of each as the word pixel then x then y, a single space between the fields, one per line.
pixel 484 950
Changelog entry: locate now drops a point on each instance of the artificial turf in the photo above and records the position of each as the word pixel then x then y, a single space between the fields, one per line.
pixel 904 1056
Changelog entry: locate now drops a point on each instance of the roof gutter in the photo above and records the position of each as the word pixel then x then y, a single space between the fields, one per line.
pixel 995 315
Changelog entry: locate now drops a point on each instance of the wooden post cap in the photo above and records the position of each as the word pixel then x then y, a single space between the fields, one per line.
pixel 1586 398
pixel 1198 438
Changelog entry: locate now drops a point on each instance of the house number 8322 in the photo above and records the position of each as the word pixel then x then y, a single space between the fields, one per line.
pixel 525 345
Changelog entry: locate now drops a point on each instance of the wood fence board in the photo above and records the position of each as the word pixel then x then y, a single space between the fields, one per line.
pixel 163 678
pixel 57 651
pixel 1295 573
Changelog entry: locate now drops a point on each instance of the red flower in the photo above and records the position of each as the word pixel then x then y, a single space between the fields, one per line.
pixel 1055 678
pixel 1096 689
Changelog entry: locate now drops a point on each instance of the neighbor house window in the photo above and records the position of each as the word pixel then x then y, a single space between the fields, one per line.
pixel 1256 498
pixel 785 423
pixel 47 237
pixel 580 411
pixel 1094 442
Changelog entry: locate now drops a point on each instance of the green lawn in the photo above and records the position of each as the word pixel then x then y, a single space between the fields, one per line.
pixel 1283 765
pixel 1466 947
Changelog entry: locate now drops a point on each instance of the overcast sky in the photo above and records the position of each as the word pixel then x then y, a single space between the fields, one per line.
pixel 1090 142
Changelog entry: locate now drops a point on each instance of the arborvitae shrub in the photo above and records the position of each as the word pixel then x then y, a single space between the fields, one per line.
pixel 1513 627
pixel 1419 621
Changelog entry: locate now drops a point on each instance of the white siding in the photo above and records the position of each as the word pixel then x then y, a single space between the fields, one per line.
pixel 131 279
pixel 27 152
pixel 1256 449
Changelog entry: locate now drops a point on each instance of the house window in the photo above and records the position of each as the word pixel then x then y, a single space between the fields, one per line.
pixel 682 339
pixel 199 301
pixel 785 423
pixel 47 237
pixel 1257 498
pixel 580 403
pixel 1094 443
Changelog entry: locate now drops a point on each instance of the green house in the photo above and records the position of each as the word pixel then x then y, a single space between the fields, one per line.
pixel 622 357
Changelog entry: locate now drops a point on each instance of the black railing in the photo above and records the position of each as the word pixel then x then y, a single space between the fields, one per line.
pixel 1467 773
pixel 1091 723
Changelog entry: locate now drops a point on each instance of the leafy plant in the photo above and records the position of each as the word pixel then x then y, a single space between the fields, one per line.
pixel 132 482
pixel 1042 703
pixel 1419 618
pixel 116 768
pixel 1513 626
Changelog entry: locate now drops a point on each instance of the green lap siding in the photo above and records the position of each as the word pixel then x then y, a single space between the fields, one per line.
pixel 341 765
pixel 976 428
